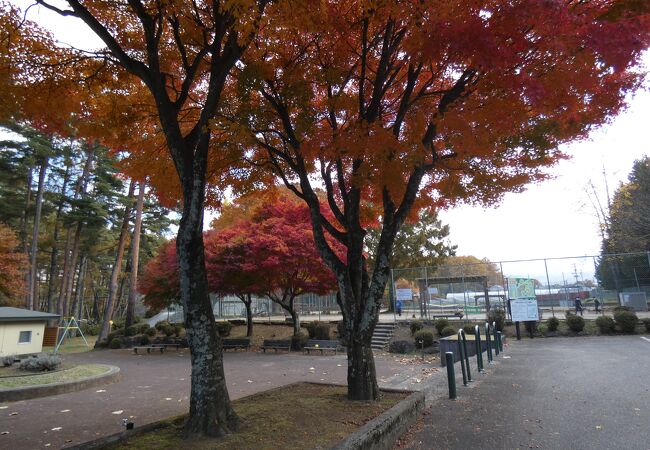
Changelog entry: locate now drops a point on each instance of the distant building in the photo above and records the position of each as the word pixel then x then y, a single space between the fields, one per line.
pixel 22 330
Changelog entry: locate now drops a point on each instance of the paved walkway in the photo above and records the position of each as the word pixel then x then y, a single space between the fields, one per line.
pixel 555 393
pixel 156 386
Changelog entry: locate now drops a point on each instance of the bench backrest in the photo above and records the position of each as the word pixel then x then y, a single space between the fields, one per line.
pixel 322 343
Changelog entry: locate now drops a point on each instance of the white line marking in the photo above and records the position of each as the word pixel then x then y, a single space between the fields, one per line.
pixel 645 338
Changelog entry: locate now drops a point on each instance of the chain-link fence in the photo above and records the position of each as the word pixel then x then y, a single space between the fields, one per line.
pixel 470 290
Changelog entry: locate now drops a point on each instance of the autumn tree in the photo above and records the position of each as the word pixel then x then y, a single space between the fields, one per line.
pixel 396 105
pixel 158 82
pixel 271 253
pixel 13 263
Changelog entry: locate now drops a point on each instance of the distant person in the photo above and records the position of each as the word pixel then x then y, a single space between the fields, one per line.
pixel 597 305
pixel 578 304
pixel 398 306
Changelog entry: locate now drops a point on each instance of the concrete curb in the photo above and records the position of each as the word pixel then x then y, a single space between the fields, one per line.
pixel 382 431
pixel 27 392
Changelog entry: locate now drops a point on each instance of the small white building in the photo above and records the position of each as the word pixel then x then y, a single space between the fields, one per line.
pixel 22 330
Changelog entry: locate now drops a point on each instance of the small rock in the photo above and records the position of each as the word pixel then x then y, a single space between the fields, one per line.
pixel 119 411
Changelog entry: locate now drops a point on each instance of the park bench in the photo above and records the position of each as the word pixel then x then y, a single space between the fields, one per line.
pixel 148 348
pixel 229 344
pixel 322 345
pixel 276 344
pixel 176 346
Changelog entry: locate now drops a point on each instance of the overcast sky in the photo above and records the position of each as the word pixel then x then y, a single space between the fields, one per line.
pixel 549 220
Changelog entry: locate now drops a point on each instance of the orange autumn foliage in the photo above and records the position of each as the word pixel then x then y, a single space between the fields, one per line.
pixel 13 264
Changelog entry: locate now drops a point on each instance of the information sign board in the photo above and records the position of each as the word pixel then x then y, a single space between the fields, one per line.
pixel 524 310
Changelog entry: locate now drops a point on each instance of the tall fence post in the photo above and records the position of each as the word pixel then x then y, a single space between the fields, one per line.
pixel 466 362
pixel 496 342
pixel 488 343
pixel 461 350
pixel 479 349
pixel 451 375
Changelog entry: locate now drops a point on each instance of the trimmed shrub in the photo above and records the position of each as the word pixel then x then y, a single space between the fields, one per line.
pixel 118 323
pixel 449 330
pixel 423 337
pixel 7 361
pixel 178 329
pixel 469 330
pixel 498 316
pixel 143 327
pixel 401 347
pixel 531 326
pixel 144 340
pixel 605 324
pixel 318 330
pixel 440 325
pixel 168 330
pixel 416 326
pixel 298 341
pixel 575 323
pixel 552 324
pixel 114 334
pixel 646 322
pixel 132 330
pixel 40 363
pixel 115 343
pixel 621 308
pixel 160 325
pixel 151 332
pixel 222 327
pixel 626 321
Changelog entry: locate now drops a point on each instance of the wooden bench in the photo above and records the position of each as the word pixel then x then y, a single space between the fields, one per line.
pixel 229 344
pixel 276 344
pixel 148 348
pixel 322 345
pixel 176 346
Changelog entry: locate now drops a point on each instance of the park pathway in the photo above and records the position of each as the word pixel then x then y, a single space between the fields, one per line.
pixel 156 386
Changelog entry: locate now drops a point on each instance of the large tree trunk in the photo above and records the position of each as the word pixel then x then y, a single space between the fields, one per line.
pixel 211 412
pixel 362 377
pixel 55 243
pixel 69 282
pixel 33 284
pixel 117 268
pixel 77 305
pixel 135 253
pixel 69 262
pixel 248 303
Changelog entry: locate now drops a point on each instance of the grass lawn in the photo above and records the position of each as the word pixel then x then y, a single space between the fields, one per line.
pixel 73 374
pixel 299 416
pixel 74 345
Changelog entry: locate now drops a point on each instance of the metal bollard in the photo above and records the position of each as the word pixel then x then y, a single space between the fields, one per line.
pixel 496 341
pixel 451 375
pixel 479 349
pixel 461 350
pixel 500 336
pixel 466 360
pixel 488 343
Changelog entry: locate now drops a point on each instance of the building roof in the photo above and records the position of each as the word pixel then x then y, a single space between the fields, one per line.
pixel 10 314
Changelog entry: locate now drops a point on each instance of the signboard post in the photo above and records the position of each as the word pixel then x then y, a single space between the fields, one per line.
pixel 523 303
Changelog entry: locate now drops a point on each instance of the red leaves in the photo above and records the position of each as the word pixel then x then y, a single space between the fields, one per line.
pixel 270 251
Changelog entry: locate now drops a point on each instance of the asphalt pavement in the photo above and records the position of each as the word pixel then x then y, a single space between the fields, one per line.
pixel 553 393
